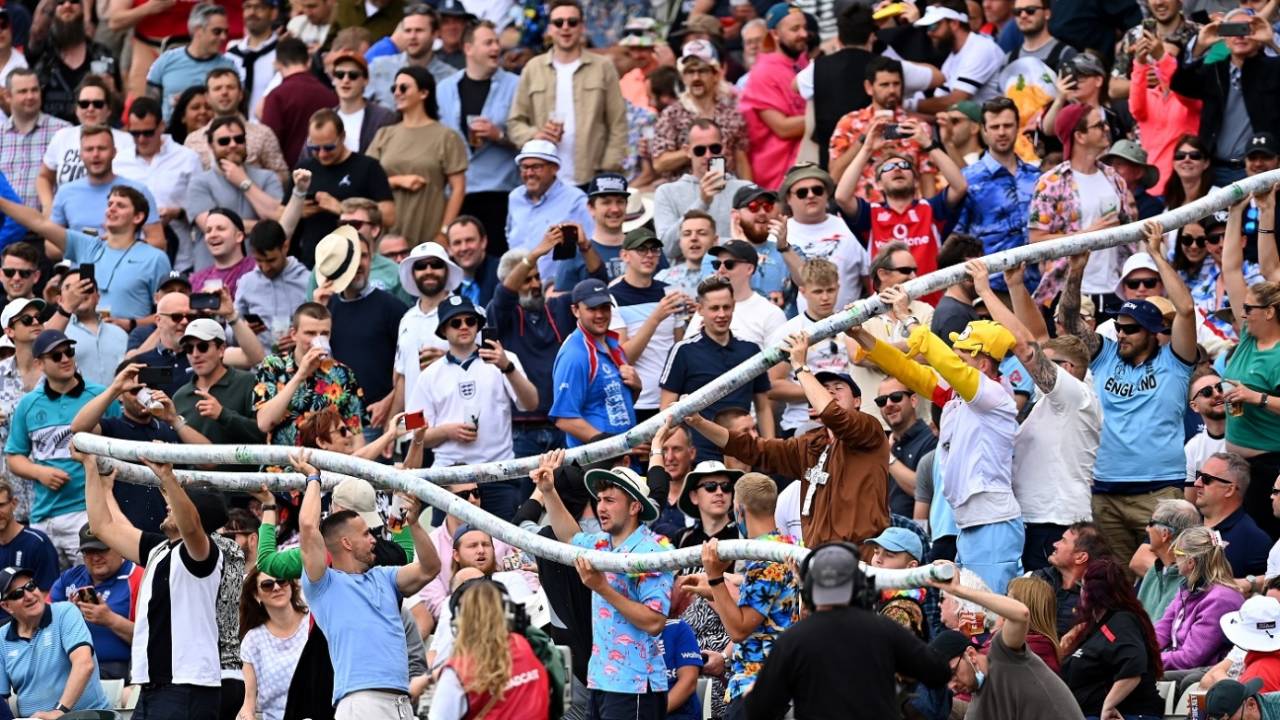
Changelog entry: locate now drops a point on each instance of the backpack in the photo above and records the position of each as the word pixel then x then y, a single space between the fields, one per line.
pixel 553 660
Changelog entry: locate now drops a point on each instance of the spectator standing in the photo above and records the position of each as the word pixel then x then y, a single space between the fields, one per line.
pixel 95 106
pixel 252 192
pixel 845 457
pixel 1032 20
pixel 361 117
pixel 292 385
pixel 1000 184
pixel 1188 633
pixel 469 247
pixel 705 97
pixel 417 35
pixel 600 253
pixel 418 179
pixel 646 323
pixel 628 611
pixel 339 579
pixel 973 60
pixel 911 438
pixel 430 276
pixel 274 627
pixel 19 375
pixel 1221 486
pixel 773 108
pixel 705 496
pixel 289 109
pixel 103 589
pixel 760 219
pixel 54 674
pixel 1127 481
pixel 552 101
pixel 224 239
pixel 25 135
pixel 80 204
pixel 1081 543
pixel 816 233
pixel 595 385
pixel 255 53
pixel 1163 116
pixel 180 68
pixel 475 103
pixel 701 188
pixel 175 638
pixel 543 201
pixel 755 318
pixel 39 438
pixel 696 233
pixel 218 401
pixel 225 97
pixel 67 57
pixel 277 284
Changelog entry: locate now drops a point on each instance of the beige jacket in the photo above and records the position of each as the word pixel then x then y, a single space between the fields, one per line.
pixel 599 111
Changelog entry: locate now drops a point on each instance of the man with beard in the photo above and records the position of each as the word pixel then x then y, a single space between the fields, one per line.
pixel 476 102
pixel 418 31
pixel 291 107
pixel 542 201
pixel 773 107
pixel 81 204
pixel 226 95
pixel 62 162
pixel 1000 188
pixel 903 215
pixel 255 53
pixel 180 68
pixel 365 320
pixel 532 327
pixel 705 97
pixel 337 173
pixel 26 134
pixel 883 84
pixel 429 276
pixel 973 60
pixel 469 248
pixel 1206 400
pixel 63 61
pixel 701 188
pixel 1143 389
pixel 252 192
pixel 1032 20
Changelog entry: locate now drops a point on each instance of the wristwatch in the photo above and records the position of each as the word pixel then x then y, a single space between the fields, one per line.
pixel 265 508
pixel 510 368
pixel 245 184
pixel 907 323
pixel 802 369
pixel 62 708
pixel 715 581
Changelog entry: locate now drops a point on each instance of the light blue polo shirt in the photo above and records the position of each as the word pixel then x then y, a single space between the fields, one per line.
pixel 360 617
pixel 175 70
pixel 80 205
pixel 41 430
pixel 127 278
pixel 1142 406
pixel 37 669
pixel 588 386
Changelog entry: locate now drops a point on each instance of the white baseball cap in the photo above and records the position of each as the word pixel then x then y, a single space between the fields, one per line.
pixel 936 14
pixel 15 308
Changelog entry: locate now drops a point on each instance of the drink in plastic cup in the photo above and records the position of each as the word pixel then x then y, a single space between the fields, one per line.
pixel 1233 409
pixel 322 342
pixel 212 285
pixel 396 515
pixel 476 140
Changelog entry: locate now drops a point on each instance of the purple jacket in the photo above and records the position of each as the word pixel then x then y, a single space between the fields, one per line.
pixel 1188 633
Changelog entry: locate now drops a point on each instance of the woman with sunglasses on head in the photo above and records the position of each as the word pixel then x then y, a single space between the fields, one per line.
pixel 1190 179
pixel 1188 632
pixel 1253 423
pixel 1210 292
pixel 274 626
pixel 421 158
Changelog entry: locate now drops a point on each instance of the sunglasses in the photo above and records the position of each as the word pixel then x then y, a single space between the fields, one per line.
pixel 1215 238
pixel 713 148
pixel 1209 391
pixel 804 192
pixel 327 147
pixel 468 494
pixel 401 88
pixel 1027 10
pixel 348 75
pixel 1250 308
pixel 269 584
pixel 1187 240
pixel 571 22
pixel 725 487
pixel 898 164
pixel 465 321
pixel 1128 328
pixel 182 317
pixel 357 224
pixel 4 22
pixel 905 269
pixel 18 592
pixel 726 264
pixel 228 140
pixel 895 397
pixel 433 263
pixel 24 274
pixel 95 104
pixel 58 355
pixel 201 346
pixel 1188 155
pixel 1148 283
pixel 758 205
pixel 144 133
pixel 1208 479
pixel 27 320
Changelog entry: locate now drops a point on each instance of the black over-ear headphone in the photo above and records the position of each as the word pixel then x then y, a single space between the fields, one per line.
pixel 863 593
pixel 517 617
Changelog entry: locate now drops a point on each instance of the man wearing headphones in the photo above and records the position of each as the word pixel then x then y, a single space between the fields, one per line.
pixel 843 655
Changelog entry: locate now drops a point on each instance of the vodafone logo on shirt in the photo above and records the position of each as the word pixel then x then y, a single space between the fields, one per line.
pixel 915 227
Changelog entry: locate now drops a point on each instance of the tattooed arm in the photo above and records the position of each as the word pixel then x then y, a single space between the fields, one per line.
pixel 1071 306
pixel 1042 370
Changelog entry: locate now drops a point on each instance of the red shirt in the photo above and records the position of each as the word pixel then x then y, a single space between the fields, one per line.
pixel 1265 666
pixel 287 110
pixel 528 692
pixel 919 226
pixel 173 22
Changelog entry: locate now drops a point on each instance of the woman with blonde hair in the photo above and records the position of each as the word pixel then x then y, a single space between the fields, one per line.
pixel 1042 631
pixel 1188 633
pixel 493 672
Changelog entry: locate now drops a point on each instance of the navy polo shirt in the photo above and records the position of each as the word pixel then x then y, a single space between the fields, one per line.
pixel 917 441
pixel 31 550
pixel 699 361
pixel 141 504
pixel 160 356
pixel 1247 544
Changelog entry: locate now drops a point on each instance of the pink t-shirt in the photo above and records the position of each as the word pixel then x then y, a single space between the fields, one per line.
pixel 229 276
pixel 771 86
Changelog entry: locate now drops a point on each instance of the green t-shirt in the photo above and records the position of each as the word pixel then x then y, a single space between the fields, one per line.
pixel 1258 370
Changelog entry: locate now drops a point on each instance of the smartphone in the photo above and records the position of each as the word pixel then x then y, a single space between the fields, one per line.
pixel 1149 26
pixel 486 334
pixel 87 273
pixel 253 319
pixel 1234 29
pixel 716 164
pixel 414 420
pixel 893 132
pixel 88 595
pixel 205 301
pixel 567 248
pixel 156 377
pixel 1070 74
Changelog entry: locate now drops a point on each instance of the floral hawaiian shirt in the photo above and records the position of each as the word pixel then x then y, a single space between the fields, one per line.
pixel 672 131
pixel 1204 292
pixel 334 384
pixel 770 589
pixel 11 391
pixel 624 658
pixel 1055 208
pixel 639 122
pixel 853 126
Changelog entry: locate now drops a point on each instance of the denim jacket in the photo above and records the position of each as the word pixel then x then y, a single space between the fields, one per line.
pixel 492 167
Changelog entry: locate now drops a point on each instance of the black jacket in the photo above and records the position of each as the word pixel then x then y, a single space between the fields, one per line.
pixel 1259 81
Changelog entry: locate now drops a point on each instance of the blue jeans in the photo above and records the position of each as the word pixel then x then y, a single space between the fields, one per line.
pixel 992 551
pixel 178 702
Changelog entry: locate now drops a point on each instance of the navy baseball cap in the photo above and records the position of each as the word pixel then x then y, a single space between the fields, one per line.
pixel 48 340
pixel 827 376
pixel 1145 314
pixel 592 293
pixel 607 184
